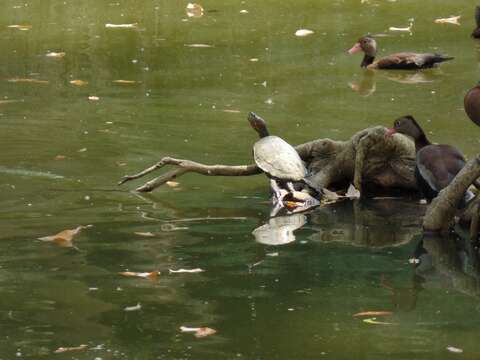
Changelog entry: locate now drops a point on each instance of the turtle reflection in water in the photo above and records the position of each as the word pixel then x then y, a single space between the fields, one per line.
pixel 282 164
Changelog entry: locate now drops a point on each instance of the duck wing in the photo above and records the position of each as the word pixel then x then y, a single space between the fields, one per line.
pixel 439 164
pixel 410 61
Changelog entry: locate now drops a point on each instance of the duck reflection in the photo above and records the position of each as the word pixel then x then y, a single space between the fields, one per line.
pixel 279 230
pixel 449 262
pixel 368 83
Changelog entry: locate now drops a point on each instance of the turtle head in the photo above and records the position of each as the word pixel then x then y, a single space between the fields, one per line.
pixel 258 124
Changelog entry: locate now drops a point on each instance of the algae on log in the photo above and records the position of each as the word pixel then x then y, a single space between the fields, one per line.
pixel 367 159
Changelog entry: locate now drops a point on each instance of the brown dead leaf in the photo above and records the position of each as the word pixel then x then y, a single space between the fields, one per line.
pixel 146 234
pixel 27 80
pixel 204 331
pixel 67 349
pixel 60 157
pixel 78 82
pixel 373 313
pixel 20 27
pixel 124 82
pixel 64 238
pixel 145 275
pixel 198 332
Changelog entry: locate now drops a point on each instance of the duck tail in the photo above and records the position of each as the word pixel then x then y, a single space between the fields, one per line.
pixel 441 58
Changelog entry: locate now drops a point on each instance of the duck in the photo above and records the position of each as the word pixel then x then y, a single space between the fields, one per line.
pixel 436 165
pixel 398 61
pixel 476 32
pixel 471 104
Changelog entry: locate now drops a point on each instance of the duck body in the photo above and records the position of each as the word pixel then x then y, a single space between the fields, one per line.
pixel 476 32
pixel 471 103
pixel 397 61
pixel 436 165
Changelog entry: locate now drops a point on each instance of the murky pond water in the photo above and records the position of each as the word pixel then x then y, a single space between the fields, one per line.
pixel 62 155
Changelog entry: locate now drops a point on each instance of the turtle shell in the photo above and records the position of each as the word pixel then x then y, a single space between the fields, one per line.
pixel 278 159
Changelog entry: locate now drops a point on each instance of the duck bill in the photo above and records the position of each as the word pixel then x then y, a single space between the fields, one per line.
pixel 355 49
pixel 390 132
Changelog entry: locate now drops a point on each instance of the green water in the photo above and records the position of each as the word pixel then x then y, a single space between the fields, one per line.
pixel 62 155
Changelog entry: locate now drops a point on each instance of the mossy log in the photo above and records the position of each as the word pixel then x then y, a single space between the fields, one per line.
pixel 367 159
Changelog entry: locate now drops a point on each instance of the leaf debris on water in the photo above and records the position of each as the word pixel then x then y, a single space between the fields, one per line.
pixel 125 82
pixel 450 20
pixel 172 183
pixel 198 45
pixel 198 332
pixel 55 54
pixel 133 308
pixel 64 238
pixel 145 234
pixel 122 26
pixel 194 10
pixel 454 349
pixel 20 27
pixel 145 275
pixel 303 32
pixel 74 348
pixel 93 98
pixel 352 192
pixel 373 321
pixel 27 80
pixel 78 82
pixel 373 313
pixel 196 270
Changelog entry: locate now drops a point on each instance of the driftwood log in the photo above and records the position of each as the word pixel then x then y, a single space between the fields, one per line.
pixel 367 159
pixel 373 163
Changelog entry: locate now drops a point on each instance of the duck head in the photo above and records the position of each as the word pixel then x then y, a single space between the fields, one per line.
pixel 367 44
pixel 406 125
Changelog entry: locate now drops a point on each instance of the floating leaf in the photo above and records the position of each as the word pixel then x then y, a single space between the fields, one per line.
pixel 78 82
pixel 67 349
pixel 55 54
pixel 373 313
pixel 125 82
pixel 194 10
pixel 450 20
pixel 303 32
pixel 454 349
pixel 82 150
pixel 20 27
pixel 196 270
pixel 133 308
pixel 374 322
pixel 198 45
pixel 231 111
pixel 172 183
pixel 60 157
pixel 122 26
pixel 27 80
pixel 243 11
pixel 93 98
pixel 4 102
pixel 64 238
pixel 198 332
pixel 145 275
pixel 146 234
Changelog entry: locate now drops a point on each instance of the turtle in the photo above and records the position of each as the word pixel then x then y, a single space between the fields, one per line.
pixel 281 163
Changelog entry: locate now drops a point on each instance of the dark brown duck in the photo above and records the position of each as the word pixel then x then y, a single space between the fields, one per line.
pixel 476 32
pixel 436 165
pixel 398 61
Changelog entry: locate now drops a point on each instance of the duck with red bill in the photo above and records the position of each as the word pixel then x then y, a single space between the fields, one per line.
pixel 436 165
pixel 397 61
